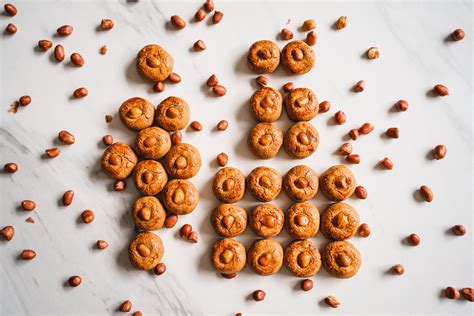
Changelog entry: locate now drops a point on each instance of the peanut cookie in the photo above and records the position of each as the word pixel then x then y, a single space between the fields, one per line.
pixel 229 220
pixel 265 140
pixel 337 183
pixel 180 197
pixel 265 256
pixel 301 183
pixel 266 220
pixel 339 221
pixel 149 177
pixel 301 140
pixel 146 251
pixel 302 220
pixel 183 161
pixel 266 104
pixel 172 114
pixel 148 214
pixel 229 185
pixel 228 256
pixel 301 104
pixel 341 259
pixel 264 56
pixel 152 143
pixel 154 63
pixel 137 113
pixel 297 57
pixel 264 183
pixel 302 258
pixel 119 160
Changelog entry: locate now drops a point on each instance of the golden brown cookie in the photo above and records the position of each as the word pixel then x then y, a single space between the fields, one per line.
pixel 301 140
pixel 172 114
pixel 341 259
pixel 229 220
pixel 228 256
pixel 301 183
pixel 266 220
pixel 148 214
pixel 183 161
pixel 337 183
pixel 297 57
pixel 266 104
pixel 137 113
pixel 154 63
pixel 146 251
pixel 264 56
pixel 302 258
pixel 229 185
pixel 180 196
pixel 149 177
pixel 152 143
pixel 119 160
pixel 339 221
pixel 264 183
pixel 301 104
pixel 302 220
pixel 265 256
pixel 265 140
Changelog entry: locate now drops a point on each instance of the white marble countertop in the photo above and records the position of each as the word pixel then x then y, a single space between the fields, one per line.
pixel 414 57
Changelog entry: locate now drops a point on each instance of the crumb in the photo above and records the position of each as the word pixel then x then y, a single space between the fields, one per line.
pixel 30 220
pixel 14 107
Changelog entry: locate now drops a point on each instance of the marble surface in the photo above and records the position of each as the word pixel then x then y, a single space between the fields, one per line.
pixel 415 55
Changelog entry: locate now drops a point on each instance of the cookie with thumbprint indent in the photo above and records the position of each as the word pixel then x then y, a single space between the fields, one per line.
pixel 302 220
pixel 301 183
pixel 229 185
pixel 264 183
pixel 229 220
pixel 301 140
pixel 154 63
pixel 183 161
pixel 266 104
pixel 341 259
pixel 302 258
pixel 339 221
pixel 119 160
pixel 137 113
pixel 297 58
pixel 148 213
pixel 152 143
pixel 172 114
pixel 146 251
pixel 228 256
pixel 265 257
pixel 180 196
pixel 266 220
pixel 263 56
pixel 301 104
pixel 265 140
pixel 149 177
pixel 337 183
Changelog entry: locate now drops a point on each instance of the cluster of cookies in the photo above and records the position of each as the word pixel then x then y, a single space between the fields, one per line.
pixel 266 104
pixel 338 222
pixel 153 160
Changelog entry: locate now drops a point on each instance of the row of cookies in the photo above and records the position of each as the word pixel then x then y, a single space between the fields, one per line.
pixel 301 257
pixel 339 221
pixel 301 183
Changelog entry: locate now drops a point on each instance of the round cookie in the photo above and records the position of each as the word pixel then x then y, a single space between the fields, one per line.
pixel 152 143
pixel 265 256
pixel 228 256
pixel 229 185
pixel 172 114
pixel 337 183
pixel 265 140
pixel 180 196
pixel 264 183
pixel 149 177
pixel 183 161
pixel 301 104
pixel 146 251
pixel 263 56
pixel 266 104
pixel 154 63
pixel 301 183
pixel 339 221
pixel 137 113
pixel 119 160
pixel 301 140
pixel 148 214
pixel 302 258
pixel 341 259
pixel 266 220
pixel 229 220
pixel 297 58
pixel 302 220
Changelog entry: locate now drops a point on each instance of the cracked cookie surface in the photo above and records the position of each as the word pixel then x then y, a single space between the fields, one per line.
pixel 118 160
pixel 264 183
pixel 229 185
pixel 149 177
pixel 337 183
pixel 183 161
pixel 301 183
pixel 137 113
pixel 154 63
